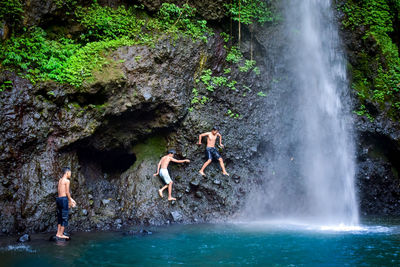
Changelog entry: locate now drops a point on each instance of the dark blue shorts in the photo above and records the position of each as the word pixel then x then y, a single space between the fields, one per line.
pixel 62 210
pixel 212 153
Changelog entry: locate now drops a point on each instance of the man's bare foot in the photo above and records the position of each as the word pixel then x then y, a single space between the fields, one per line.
pixel 202 173
pixel 62 236
pixel 225 173
pixel 171 198
pixel 160 193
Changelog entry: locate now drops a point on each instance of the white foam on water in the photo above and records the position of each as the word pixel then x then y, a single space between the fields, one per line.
pixel 19 247
pixel 294 225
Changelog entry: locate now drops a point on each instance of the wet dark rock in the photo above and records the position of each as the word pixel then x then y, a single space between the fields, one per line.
pixel 198 194
pixel 84 212
pixel 195 183
pixel 236 178
pixel 217 182
pixel 176 216
pixel 54 238
pixel 24 238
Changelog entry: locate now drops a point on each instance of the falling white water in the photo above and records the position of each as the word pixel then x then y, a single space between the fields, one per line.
pixel 327 163
pixel 311 175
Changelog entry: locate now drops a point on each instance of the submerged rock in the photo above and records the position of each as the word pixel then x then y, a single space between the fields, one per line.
pixel 24 238
pixel 54 238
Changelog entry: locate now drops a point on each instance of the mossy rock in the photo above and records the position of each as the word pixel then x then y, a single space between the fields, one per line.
pixel 150 149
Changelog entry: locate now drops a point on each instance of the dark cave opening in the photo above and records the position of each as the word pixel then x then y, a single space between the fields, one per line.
pixel 382 145
pixel 107 162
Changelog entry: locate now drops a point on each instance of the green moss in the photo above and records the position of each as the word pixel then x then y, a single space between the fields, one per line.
pixel 376 75
pixel 47 55
pixel 11 11
pixel 150 149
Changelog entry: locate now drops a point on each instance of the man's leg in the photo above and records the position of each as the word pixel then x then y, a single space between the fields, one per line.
pixel 58 230
pixel 62 228
pixel 221 162
pixel 161 190
pixel 170 192
pixel 204 166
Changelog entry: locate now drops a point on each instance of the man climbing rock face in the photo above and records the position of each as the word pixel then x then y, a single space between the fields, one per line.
pixel 211 151
pixel 163 172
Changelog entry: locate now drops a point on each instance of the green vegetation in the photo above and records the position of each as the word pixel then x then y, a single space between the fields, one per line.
pixel 35 54
pixel 150 149
pixel 250 11
pixel 11 11
pixel 232 114
pixel 173 18
pixel 106 23
pixel 234 54
pixel 262 94
pixel 376 76
pixel 5 85
pixel 248 65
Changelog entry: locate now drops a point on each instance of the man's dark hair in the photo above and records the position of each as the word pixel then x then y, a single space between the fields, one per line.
pixel 215 128
pixel 171 151
pixel 66 169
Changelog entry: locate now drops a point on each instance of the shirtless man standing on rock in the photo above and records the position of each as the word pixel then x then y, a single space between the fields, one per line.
pixel 63 202
pixel 211 151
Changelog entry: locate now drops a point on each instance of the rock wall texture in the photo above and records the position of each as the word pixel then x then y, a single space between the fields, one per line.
pixel 113 132
pixel 378 146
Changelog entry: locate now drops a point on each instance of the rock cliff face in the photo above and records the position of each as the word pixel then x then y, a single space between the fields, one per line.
pixel 378 146
pixel 114 130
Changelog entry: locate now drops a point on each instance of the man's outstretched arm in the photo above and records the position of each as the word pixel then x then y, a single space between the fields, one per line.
pixel 201 136
pixel 180 161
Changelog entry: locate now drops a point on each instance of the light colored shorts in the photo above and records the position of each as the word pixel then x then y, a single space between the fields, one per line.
pixel 165 176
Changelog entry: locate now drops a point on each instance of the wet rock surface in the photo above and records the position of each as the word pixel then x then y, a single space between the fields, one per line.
pixel 378 141
pixel 112 134
pixel 24 238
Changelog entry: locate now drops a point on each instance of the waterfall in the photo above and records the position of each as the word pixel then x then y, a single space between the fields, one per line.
pixel 311 176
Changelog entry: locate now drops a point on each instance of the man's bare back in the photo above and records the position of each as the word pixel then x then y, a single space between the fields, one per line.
pixel 63 185
pixel 165 161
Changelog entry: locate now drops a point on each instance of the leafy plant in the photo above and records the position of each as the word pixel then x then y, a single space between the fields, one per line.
pixel 262 94
pixel 234 55
pixel 232 114
pixel 248 65
pixel 182 19
pixel 231 85
pixel 11 11
pixel 250 11
pixel 106 23
pixel 6 85
pixel 376 76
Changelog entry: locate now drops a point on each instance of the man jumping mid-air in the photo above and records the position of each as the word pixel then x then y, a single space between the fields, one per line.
pixel 211 151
